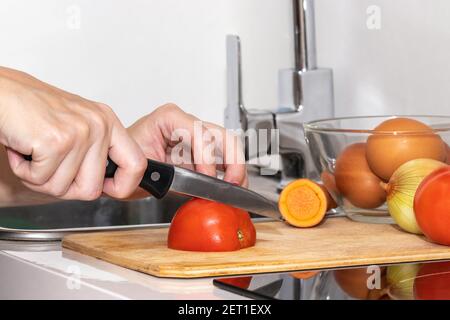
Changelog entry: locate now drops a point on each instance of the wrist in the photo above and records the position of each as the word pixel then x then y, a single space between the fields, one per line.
pixel 9 93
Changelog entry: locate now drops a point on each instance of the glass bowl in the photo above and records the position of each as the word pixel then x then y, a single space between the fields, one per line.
pixel 328 138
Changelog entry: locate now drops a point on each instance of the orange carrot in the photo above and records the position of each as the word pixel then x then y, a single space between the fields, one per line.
pixel 303 203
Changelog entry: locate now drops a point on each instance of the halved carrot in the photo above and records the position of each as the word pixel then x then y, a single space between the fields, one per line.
pixel 303 203
pixel 304 274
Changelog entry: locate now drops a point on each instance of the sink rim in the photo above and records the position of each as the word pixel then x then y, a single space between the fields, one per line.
pixel 57 234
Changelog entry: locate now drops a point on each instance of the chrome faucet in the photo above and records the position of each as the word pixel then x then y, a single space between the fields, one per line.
pixel 305 93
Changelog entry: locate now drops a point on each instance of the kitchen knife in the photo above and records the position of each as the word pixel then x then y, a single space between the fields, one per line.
pixel 160 178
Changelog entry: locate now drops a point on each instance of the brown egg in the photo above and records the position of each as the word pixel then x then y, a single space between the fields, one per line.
pixel 329 182
pixel 330 189
pixel 354 283
pixel 331 203
pixel 386 152
pixel 355 181
pixel 447 154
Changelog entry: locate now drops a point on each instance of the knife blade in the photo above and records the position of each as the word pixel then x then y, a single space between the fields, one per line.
pixel 160 178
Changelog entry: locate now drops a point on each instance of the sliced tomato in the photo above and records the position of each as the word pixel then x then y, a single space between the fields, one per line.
pixel 433 281
pixel 203 225
pixel 240 282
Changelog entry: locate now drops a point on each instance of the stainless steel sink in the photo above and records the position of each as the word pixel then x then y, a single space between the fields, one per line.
pixel 52 221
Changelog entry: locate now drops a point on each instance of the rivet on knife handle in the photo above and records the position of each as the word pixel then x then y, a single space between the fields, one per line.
pixel 157 178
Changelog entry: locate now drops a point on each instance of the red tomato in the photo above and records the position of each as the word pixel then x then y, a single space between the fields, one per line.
pixel 433 281
pixel 202 225
pixel 432 206
pixel 240 282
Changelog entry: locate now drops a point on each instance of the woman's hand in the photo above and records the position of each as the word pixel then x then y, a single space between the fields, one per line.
pixel 68 138
pixel 168 134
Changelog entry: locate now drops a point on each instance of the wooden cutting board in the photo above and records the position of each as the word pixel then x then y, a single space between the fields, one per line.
pixel 338 242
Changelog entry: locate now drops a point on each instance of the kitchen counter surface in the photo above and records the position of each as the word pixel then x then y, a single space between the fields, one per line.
pixel 45 271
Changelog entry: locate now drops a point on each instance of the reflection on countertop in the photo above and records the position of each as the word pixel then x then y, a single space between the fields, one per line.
pixel 407 281
pixel 63 274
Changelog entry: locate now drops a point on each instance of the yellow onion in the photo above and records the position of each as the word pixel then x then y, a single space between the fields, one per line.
pixel 401 189
pixel 400 280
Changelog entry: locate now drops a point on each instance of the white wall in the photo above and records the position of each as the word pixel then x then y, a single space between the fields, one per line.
pixel 403 67
pixel 138 54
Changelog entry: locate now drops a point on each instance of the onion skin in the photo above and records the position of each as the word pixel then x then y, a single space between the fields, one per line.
pixel 401 279
pixel 401 190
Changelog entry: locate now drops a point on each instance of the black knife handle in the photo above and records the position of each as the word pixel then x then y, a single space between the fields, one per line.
pixel 157 177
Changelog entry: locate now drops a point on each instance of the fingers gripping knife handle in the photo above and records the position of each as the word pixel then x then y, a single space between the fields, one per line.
pixel 157 177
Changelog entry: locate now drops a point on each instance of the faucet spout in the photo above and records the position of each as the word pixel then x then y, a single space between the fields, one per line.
pixel 305 93
pixel 304 35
